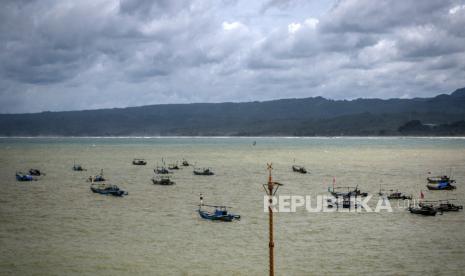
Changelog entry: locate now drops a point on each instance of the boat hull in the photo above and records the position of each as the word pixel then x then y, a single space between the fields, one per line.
pixel 440 186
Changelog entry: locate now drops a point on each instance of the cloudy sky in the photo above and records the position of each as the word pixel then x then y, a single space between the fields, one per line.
pixel 88 54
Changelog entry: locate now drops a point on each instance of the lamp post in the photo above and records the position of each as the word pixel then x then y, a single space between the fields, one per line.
pixel 270 189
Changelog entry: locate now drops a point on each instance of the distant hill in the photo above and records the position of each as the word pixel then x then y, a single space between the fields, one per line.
pixel 440 115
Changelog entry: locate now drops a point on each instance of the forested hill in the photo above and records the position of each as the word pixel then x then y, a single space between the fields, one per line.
pixel 440 115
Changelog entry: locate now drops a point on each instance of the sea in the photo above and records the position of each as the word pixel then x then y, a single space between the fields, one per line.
pixel 57 226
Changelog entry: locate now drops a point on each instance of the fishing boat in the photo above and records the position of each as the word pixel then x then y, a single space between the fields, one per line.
pixel 78 168
pixel 425 210
pixel 346 203
pixel 443 205
pixel 441 186
pixel 173 167
pixel 351 192
pixel 24 177
pixel 438 179
pixel 299 169
pixel 161 170
pixel 185 163
pixel 398 195
pixel 219 213
pixel 97 178
pixel 163 180
pixel 36 172
pixel 204 171
pixel 107 189
pixel 139 162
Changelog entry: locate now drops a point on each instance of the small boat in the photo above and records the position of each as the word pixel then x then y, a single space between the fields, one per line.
pixel 139 162
pixel 346 203
pixel 78 168
pixel 443 205
pixel 438 179
pixel 299 169
pixel 24 177
pixel 441 186
pixel 204 171
pixel 161 170
pixel 424 209
pixel 163 180
pixel 97 178
pixel 220 213
pixel 398 195
pixel 173 167
pixel 351 192
pixel 107 189
pixel 185 163
pixel 36 172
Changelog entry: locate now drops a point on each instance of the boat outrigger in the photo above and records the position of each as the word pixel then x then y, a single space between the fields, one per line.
pixel 299 169
pixel 107 189
pixel 22 177
pixel 220 212
pixel 139 162
pixel 163 180
pixel 204 171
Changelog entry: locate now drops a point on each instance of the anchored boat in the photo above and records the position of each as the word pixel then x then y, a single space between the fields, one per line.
pixel 424 209
pixel 139 162
pixel 163 180
pixel 204 171
pixel 107 189
pixel 299 169
pixel 78 168
pixel 185 163
pixel 161 170
pixel 443 205
pixel 219 213
pixel 24 177
pixel 441 186
pixel 97 178
pixel 36 172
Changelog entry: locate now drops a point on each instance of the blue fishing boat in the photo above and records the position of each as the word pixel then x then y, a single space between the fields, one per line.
pixel 24 177
pixel 107 189
pixel 220 213
pixel 97 178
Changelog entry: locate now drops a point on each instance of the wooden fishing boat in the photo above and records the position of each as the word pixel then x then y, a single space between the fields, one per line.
pixel 36 172
pixel 443 205
pixel 441 186
pixel 161 170
pixel 299 169
pixel 204 171
pixel 163 180
pixel 425 210
pixel 185 163
pixel 78 168
pixel 107 189
pixel 97 178
pixel 219 213
pixel 22 177
pixel 139 162
pixel 398 195
pixel 173 167
pixel 438 179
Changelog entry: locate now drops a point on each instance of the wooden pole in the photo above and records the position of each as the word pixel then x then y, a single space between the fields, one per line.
pixel 270 215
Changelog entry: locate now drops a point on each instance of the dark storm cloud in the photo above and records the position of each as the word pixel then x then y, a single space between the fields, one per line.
pixel 61 55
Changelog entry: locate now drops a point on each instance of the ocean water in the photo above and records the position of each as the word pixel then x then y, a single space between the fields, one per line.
pixel 57 226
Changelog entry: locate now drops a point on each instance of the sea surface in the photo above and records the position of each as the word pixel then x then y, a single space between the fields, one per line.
pixel 57 226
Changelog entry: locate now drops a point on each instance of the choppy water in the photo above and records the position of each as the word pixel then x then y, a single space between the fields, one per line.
pixel 57 226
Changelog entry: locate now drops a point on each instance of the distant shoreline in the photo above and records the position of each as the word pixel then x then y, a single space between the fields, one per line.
pixel 228 137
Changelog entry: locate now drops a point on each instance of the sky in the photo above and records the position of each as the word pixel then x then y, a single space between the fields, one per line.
pixel 60 55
